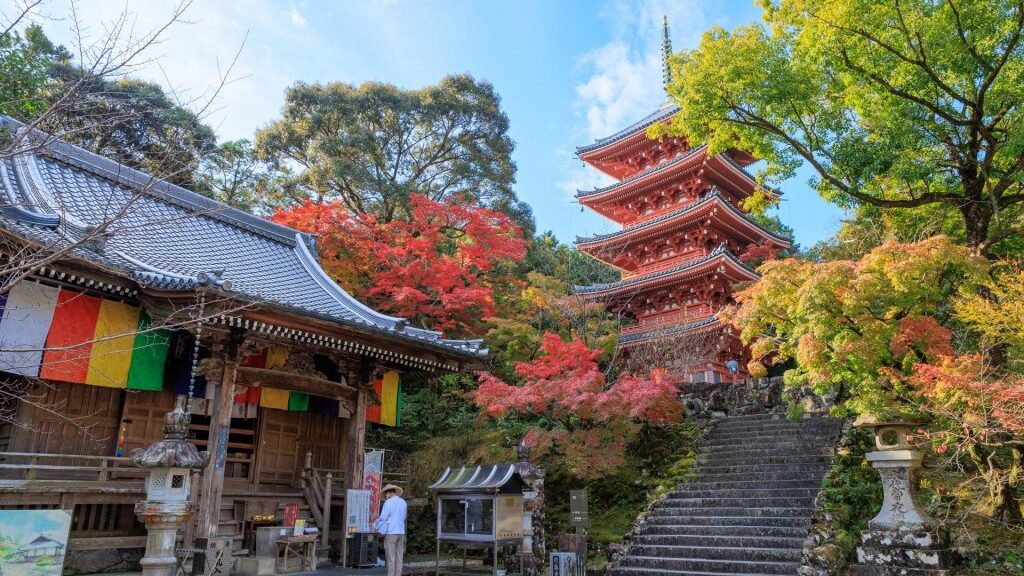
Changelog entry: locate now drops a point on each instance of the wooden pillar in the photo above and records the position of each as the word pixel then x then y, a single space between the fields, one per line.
pixel 220 427
pixel 355 436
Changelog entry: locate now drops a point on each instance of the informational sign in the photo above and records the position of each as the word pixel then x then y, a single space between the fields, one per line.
pixel 578 508
pixel 34 542
pixel 373 473
pixel 357 511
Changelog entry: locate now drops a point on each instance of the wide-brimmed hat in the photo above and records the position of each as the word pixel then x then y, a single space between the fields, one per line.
pixel 388 487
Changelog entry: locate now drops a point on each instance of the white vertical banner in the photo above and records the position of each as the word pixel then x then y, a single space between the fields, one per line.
pixel 373 474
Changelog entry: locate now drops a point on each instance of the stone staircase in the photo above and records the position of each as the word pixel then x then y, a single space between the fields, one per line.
pixel 748 508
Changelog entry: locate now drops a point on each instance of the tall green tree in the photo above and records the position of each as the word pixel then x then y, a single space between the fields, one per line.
pixel 25 59
pixel 234 175
pixel 138 124
pixel 375 145
pixel 894 104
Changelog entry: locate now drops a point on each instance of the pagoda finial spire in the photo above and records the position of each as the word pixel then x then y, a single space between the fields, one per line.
pixel 666 52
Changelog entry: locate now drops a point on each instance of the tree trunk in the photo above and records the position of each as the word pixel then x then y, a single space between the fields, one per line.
pixel 977 215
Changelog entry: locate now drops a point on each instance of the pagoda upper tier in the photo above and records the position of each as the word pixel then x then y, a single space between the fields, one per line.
pixel 674 181
pixel 679 235
pixel 629 151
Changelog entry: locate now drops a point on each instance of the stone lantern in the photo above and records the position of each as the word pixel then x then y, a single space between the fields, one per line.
pixel 901 539
pixel 167 506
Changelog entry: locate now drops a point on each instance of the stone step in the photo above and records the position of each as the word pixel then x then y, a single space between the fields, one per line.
pixel 718 552
pixel 633 571
pixel 739 509
pixel 746 508
pixel 756 536
pixel 789 445
pixel 773 458
pixel 812 466
pixel 716 501
pixel 712 565
pixel 781 429
pixel 784 477
pixel 809 447
pixel 766 492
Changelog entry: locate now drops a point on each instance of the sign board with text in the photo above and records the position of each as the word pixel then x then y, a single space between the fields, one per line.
pixel 578 508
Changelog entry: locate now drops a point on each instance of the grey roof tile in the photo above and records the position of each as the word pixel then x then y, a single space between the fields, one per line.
pixel 169 237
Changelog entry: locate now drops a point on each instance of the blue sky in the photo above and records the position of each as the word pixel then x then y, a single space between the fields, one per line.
pixel 567 71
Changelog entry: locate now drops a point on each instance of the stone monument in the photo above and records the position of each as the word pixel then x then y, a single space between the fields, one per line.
pixel 901 540
pixel 167 507
pixel 533 512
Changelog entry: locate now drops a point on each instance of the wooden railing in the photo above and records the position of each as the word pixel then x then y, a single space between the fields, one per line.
pixel 30 466
pixel 320 486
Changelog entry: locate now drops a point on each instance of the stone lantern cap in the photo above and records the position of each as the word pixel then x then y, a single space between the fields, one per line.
pixel 890 434
pixel 173 451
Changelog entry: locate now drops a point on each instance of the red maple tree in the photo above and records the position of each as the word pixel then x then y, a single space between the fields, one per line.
pixel 434 269
pixel 587 420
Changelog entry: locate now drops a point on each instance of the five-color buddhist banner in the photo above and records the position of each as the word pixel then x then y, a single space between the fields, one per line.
pixel 389 411
pixel 69 336
pixel 65 335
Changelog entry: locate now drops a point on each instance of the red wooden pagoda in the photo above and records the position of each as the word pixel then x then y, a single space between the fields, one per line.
pixel 683 228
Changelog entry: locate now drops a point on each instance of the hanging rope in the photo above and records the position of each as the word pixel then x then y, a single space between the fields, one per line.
pixel 201 306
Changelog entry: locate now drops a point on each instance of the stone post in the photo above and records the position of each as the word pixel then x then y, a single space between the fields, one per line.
pixel 901 539
pixel 168 487
pixel 533 551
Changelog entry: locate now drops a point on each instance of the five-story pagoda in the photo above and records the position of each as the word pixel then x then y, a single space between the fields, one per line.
pixel 683 228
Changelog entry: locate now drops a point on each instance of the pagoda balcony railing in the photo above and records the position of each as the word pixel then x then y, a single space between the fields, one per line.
pixel 670 262
pixel 668 320
pixel 646 217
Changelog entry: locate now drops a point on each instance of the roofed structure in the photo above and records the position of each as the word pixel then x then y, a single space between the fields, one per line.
pixel 683 237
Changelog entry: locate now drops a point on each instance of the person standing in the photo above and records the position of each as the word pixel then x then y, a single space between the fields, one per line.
pixel 391 525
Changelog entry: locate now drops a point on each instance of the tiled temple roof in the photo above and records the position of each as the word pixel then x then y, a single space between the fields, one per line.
pixel 173 239
pixel 664 112
pixel 715 194
pixel 722 250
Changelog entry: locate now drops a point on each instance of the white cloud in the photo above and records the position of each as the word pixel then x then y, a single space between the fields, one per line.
pixel 298 20
pixel 621 81
pixel 623 78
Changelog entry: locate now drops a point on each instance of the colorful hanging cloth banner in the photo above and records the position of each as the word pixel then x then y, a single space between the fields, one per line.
pixel 389 411
pixel 70 336
pixel 28 312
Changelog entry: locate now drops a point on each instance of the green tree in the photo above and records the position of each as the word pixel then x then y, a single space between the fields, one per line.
pixel 234 175
pixel 373 146
pixel 853 326
pixel 138 124
pixel 894 104
pixel 25 58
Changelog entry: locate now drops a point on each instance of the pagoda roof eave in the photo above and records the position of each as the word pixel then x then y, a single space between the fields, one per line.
pixel 676 272
pixel 701 325
pixel 658 169
pixel 714 199
pixel 684 161
pixel 638 127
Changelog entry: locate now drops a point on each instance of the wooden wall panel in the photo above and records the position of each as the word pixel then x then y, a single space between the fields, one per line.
pixel 324 437
pixel 70 419
pixel 277 456
pixel 144 417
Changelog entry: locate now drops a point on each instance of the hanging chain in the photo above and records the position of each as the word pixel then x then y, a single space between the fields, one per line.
pixel 201 297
